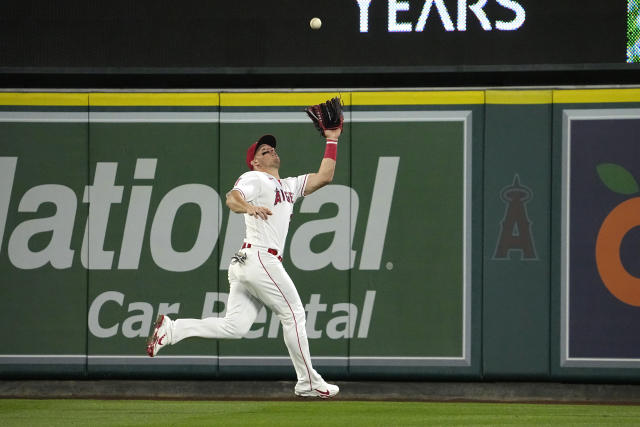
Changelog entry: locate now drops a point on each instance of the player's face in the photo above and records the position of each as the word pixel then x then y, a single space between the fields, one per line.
pixel 267 157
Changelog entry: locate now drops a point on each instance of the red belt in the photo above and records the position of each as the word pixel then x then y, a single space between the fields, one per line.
pixel 271 251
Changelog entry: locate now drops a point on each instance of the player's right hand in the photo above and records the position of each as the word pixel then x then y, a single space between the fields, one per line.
pixel 259 212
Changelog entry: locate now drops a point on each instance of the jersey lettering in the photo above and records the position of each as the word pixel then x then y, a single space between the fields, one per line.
pixel 283 196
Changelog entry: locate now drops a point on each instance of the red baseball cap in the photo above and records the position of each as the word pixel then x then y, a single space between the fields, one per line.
pixel 251 151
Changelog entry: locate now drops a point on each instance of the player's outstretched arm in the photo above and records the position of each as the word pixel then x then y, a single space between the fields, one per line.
pixel 324 176
pixel 238 204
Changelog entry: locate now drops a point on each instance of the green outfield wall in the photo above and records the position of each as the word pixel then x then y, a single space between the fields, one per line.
pixel 466 235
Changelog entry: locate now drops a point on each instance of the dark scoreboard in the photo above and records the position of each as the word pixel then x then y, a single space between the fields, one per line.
pixel 240 36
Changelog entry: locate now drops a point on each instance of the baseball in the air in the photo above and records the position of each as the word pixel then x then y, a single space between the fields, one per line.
pixel 315 23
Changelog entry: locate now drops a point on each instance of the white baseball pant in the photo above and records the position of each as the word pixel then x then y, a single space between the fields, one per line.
pixel 261 279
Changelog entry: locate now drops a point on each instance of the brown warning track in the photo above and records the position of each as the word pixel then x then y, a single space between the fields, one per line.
pixel 514 392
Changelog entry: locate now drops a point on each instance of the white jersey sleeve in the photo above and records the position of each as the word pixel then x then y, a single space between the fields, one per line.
pixel 248 185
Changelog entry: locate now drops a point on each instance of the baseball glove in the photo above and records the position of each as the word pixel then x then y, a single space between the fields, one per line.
pixel 327 115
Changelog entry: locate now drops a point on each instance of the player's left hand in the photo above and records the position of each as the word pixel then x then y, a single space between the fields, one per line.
pixel 327 115
pixel 333 133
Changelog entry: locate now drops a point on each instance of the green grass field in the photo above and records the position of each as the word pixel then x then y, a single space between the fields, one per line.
pixel 18 412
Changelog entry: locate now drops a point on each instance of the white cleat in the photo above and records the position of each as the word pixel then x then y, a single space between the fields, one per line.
pixel 161 335
pixel 325 391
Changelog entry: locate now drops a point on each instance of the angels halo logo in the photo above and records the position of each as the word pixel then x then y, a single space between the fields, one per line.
pixel 618 223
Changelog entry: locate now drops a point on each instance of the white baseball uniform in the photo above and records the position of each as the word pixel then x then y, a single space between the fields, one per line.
pixel 261 279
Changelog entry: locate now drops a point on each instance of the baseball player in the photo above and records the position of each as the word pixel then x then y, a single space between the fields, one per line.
pixel 256 275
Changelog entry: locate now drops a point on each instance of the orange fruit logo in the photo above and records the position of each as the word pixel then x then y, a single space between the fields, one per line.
pixel 624 217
